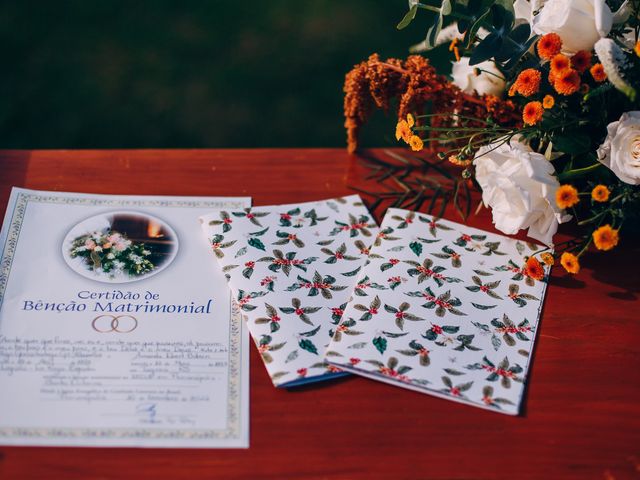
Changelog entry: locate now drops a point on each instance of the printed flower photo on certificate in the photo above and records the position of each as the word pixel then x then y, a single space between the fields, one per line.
pixel 120 247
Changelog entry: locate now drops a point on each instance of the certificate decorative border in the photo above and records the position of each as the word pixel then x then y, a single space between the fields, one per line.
pixel 233 429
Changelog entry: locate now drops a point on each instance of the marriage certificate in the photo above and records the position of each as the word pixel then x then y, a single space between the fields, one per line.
pixel 115 327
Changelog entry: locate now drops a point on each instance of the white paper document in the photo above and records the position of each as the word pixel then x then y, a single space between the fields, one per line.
pixel 115 327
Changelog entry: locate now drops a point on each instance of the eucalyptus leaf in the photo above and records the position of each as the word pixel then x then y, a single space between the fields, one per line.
pixel 408 18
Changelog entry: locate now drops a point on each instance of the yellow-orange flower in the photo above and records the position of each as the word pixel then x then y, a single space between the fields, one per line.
pixel 528 82
pixel 605 238
pixel 549 45
pixel 512 90
pixel 403 131
pixel 581 61
pixel 416 143
pixel 600 193
pixel 567 82
pixel 532 113
pixel 570 262
pixel 533 268
pixel 598 73
pixel 453 47
pixel 547 258
pixel 459 162
pixel 559 63
pixel 566 196
pixel 410 120
pixel 548 101
pixel 636 48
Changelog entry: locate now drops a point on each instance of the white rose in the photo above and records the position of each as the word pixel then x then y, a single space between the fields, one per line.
pixel 519 186
pixel 522 10
pixel 489 82
pixel 580 23
pixel 621 149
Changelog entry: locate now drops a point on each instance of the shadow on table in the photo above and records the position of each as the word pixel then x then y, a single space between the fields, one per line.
pixel 618 269
pixel 320 385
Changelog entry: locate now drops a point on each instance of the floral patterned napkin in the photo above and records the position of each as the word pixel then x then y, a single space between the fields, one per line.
pixel 292 269
pixel 444 309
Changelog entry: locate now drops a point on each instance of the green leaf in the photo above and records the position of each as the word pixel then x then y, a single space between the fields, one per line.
pixel 408 18
pixel 260 233
pixel 450 329
pixel 256 243
pixel 433 31
pixel 292 356
pixel 308 346
pixel 395 335
pixel 311 333
pixel 483 307
pixel 470 34
pixel 430 335
pixel 572 142
pixel 380 343
pixel 485 49
pixel 351 273
pixel 416 247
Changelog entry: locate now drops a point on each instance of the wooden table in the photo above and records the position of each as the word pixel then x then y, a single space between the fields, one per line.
pixel 582 413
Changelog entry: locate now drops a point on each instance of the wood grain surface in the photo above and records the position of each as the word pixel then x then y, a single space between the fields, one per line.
pixel 582 412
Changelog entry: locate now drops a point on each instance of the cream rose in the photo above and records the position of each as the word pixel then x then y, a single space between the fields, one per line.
pixel 489 82
pixel 580 23
pixel 621 149
pixel 519 186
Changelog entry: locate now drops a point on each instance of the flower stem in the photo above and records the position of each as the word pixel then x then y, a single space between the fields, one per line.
pixel 578 172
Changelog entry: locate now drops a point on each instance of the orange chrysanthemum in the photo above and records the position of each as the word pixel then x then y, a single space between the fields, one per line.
pixel 403 131
pixel 600 193
pixel 567 82
pixel 605 238
pixel 559 63
pixel 532 113
pixel 598 73
pixel 549 45
pixel 581 61
pixel 570 262
pixel 512 90
pixel 636 48
pixel 528 82
pixel 548 102
pixel 566 196
pixel 416 143
pixel 533 269
pixel 547 258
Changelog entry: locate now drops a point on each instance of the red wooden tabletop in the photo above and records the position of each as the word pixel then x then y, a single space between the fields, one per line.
pixel 582 411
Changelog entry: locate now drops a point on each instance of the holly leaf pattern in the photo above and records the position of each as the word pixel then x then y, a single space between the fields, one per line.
pixel 453 298
pixel 274 258
pixel 256 243
pixel 380 343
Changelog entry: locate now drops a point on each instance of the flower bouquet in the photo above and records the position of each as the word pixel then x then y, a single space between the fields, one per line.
pixel 541 112
pixel 112 253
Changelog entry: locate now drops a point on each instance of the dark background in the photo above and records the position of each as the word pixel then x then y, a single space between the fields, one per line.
pixel 109 74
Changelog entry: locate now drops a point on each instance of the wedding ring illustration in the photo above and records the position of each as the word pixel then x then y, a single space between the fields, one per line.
pixel 113 323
